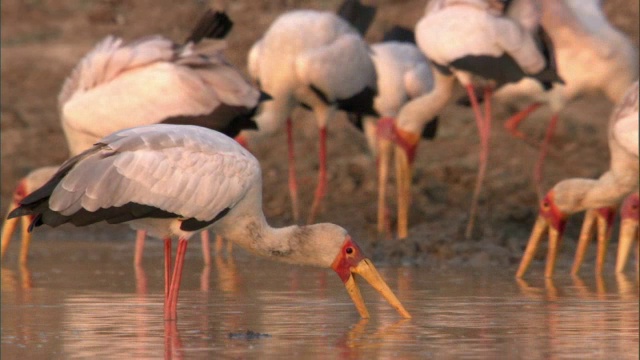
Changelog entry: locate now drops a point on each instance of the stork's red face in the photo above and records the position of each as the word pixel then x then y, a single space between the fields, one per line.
pixel 407 141
pixel 20 192
pixel 550 212
pixel 9 225
pixel 351 261
pixel 551 218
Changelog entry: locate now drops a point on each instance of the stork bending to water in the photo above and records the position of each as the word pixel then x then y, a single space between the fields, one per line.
pixel 177 180
pixel 472 41
pixel 596 196
pixel 591 55
pixel 403 78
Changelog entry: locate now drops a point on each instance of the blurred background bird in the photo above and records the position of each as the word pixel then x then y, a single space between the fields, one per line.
pixel 593 195
pixel 119 85
pixel 317 60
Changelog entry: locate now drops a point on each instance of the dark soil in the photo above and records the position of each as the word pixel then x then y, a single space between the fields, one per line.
pixel 43 39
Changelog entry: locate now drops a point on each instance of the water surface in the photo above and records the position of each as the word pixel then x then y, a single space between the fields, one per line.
pixel 84 299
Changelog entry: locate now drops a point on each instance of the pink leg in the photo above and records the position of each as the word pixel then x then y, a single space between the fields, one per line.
pixel 167 267
pixel 512 123
pixel 537 172
pixel 322 176
pixel 141 280
pixel 139 251
pixel 206 249
pixel 484 129
pixel 293 183
pixel 171 304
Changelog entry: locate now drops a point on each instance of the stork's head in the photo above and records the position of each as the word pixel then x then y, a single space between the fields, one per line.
pixel 549 211
pixel 349 261
pixel 549 217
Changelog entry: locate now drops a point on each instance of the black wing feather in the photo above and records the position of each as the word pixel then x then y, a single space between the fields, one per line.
pixel 212 25
pixel 358 15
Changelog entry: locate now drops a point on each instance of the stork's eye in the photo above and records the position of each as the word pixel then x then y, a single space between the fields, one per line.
pixel 349 250
pixel 546 204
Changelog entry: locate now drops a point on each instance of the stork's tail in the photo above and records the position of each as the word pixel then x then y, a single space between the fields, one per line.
pixel 400 34
pixel 358 15
pixel 212 25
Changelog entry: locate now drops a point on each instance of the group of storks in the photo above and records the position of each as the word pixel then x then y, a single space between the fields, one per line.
pixel 138 119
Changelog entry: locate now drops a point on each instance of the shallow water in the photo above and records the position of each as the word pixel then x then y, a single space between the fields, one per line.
pixel 84 299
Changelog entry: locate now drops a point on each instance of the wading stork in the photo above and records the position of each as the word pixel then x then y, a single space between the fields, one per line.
pixel 154 80
pixel 598 196
pixel 591 55
pixel 174 181
pixel 403 78
pixel 473 41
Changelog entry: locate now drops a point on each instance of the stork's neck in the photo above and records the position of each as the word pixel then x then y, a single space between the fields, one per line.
pixel 246 225
pixel 575 195
pixel 417 112
pixel 274 113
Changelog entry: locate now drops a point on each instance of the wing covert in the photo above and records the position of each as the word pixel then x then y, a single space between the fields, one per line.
pixel 190 171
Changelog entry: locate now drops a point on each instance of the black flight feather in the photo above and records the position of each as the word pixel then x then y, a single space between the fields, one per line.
pixel 399 34
pixel 358 15
pixel 212 25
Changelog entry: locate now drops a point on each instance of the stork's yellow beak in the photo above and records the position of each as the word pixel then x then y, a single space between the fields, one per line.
pixel 351 261
pixel 366 269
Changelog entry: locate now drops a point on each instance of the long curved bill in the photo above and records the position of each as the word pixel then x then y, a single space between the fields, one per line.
pixel 366 269
pixel 628 235
pixel 628 232
pixel 538 231
pixel 8 228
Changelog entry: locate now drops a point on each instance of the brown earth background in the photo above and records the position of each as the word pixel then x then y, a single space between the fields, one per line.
pixel 42 40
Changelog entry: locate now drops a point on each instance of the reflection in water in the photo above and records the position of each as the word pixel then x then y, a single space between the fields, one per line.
pixel 227 275
pixel 13 282
pixel 127 323
pixel 90 308
pixel 586 315
pixel 141 279
pixel 172 343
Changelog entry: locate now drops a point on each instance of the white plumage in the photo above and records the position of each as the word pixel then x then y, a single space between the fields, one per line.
pixel 181 171
pixel 208 180
pixel 151 80
pixel 474 41
pixel 403 78
pixel 314 59
pixel 591 56
pixel 154 80
pixel 460 28
pixel 598 196
pixel 403 74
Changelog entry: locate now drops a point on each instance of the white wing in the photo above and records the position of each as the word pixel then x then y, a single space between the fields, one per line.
pixel 116 87
pixel 586 20
pixel 186 170
pixel 340 69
